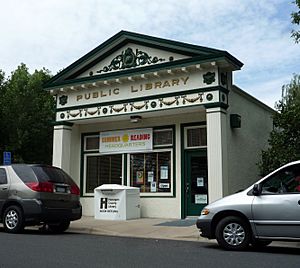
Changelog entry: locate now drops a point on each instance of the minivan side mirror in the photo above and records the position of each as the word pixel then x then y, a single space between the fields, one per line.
pixel 256 189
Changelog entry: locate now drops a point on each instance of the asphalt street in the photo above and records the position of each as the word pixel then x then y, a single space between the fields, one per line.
pixel 36 249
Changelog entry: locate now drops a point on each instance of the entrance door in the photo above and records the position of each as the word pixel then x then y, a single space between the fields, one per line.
pixel 196 181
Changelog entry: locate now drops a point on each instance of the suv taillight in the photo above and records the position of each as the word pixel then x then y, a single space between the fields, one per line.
pixel 46 187
pixel 74 189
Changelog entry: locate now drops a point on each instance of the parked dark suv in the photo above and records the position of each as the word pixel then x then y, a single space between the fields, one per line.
pixel 36 195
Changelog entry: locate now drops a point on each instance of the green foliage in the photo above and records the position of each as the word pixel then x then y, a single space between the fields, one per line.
pixel 285 138
pixel 296 20
pixel 26 113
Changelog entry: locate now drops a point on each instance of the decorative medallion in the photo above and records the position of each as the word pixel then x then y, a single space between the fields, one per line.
pixel 209 97
pixel 129 59
pixel 223 97
pixel 62 116
pixel 209 78
pixel 153 104
pixel 63 100
pixel 224 79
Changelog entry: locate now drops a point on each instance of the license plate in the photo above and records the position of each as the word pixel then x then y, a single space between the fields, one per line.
pixel 60 189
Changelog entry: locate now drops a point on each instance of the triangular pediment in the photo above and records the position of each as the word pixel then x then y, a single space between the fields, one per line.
pixel 132 52
pixel 131 56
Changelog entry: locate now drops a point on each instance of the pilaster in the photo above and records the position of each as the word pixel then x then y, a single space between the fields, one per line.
pixel 217 153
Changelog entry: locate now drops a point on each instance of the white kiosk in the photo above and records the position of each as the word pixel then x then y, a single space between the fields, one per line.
pixel 117 202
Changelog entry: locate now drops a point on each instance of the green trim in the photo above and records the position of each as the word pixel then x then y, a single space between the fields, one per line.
pixel 173 148
pixel 62 123
pixel 183 193
pixel 129 114
pixel 123 37
pixel 174 160
pixel 135 71
pixel 149 98
pixel 81 165
pixel 193 209
pixel 183 165
pixel 216 105
pixel 125 169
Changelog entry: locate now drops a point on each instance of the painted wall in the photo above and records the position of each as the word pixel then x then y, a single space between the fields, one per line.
pixel 245 143
pixel 150 207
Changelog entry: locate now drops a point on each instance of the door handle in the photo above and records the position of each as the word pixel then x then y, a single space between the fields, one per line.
pixel 4 188
pixel 187 188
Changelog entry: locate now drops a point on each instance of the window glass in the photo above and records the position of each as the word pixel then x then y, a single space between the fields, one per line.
pixel 51 174
pixel 151 172
pixel 3 178
pixel 104 169
pixel 25 173
pixel 163 137
pixel 92 143
pixel 284 181
pixel 196 137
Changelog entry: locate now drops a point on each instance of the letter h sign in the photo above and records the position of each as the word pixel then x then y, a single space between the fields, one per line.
pixel 103 203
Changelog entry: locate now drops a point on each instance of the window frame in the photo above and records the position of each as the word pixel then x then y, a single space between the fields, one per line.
pixel 162 130
pixel 126 161
pixel 84 193
pixel 6 176
pixel 85 143
pixel 271 177
pixel 157 194
pixel 186 137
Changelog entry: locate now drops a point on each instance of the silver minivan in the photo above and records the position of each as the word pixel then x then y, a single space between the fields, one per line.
pixel 37 195
pixel 266 211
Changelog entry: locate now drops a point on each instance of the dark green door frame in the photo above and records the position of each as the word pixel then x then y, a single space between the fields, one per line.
pixel 195 182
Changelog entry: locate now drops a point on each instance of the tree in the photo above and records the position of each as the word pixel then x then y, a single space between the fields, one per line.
pixel 27 113
pixel 296 20
pixel 284 140
pixel 2 91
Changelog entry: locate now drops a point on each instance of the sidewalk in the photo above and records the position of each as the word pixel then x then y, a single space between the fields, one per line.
pixel 175 229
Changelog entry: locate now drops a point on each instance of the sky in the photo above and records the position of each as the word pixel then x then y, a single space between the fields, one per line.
pixel 55 33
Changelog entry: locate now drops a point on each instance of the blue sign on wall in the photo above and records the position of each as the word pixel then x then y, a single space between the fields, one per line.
pixel 6 158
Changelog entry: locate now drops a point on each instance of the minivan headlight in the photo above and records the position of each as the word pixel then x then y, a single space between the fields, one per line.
pixel 205 211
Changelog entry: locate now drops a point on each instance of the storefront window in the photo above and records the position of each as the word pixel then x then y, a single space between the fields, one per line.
pixel 102 169
pixel 151 172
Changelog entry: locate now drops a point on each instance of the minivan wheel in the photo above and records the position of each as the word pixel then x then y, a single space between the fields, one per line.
pixel 13 220
pixel 233 233
pixel 59 227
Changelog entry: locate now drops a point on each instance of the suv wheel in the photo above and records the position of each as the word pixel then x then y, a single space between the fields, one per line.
pixel 59 227
pixel 233 233
pixel 13 220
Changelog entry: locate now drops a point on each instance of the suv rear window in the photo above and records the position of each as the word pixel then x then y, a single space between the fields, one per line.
pixel 51 174
pixel 42 174
pixel 25 173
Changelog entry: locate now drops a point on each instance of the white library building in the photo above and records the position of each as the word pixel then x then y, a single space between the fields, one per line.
pixel 160 115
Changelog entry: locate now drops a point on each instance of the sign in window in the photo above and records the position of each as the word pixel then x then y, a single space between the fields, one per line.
pixel 151 172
